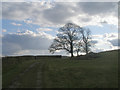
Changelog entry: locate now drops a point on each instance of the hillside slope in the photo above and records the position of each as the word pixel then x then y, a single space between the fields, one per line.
pixel 100 72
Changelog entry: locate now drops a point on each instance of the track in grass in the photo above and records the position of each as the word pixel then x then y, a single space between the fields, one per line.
pixel 16 83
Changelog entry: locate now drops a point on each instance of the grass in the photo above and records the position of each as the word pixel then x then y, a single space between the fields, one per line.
pixel 12 71
pixel 101 72
pixel 28 80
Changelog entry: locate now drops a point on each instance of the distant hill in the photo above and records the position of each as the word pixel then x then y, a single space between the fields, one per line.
pixel 91 55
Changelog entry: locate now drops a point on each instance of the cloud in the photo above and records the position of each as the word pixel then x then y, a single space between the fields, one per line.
pixel 61 0
pixel 115 42
pixel 107 41
pixel 104 22
pixel 24 0
pixel 86 19
pixel 9 48
pixel 15 24
pixel 18 42
pixel 32 43
pixel 43 29
pixel 96 8
pixel 23 10
pixel 113 39
pixel 96 50
pixel 13 1
pixel 4 30
pixel 104 42
pixel 40 52
pixel 94 42
pixel 47 14
pixel 110 35
pixel 86 1
pixel 28 21
pixel 58 13
pixel 33 52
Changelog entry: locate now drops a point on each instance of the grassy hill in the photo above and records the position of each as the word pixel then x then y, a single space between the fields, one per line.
pixel 100 72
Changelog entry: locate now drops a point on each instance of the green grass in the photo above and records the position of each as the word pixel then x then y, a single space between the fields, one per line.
pixel 12 71
pixel 101 72
pixel 28 80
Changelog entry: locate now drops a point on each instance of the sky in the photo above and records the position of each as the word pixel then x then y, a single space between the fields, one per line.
pixel 28 28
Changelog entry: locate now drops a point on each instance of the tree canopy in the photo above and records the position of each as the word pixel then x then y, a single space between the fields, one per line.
pixel 71 38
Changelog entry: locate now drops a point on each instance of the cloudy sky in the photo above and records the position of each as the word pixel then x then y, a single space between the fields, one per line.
pixel 30 27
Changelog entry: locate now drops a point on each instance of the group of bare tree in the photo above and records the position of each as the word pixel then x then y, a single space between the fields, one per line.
pixel 73 39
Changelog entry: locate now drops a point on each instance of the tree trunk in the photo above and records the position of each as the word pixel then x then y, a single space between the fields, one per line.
pixel 77 53
pixel 71 54
pixel 86 49
pixel 71 45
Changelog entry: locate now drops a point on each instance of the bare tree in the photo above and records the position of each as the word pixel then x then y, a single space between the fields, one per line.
pixel 78 47
pixel 66 38
pixel 86 38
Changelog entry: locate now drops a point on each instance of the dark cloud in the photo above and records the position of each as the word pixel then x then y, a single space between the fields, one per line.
pixel 115 42
pixel 104 22
pixel 86 19
pixel 58 12
pixel 16 10
pixel 94 41
pixel 96 8
pixel 9 48
pixel 13 43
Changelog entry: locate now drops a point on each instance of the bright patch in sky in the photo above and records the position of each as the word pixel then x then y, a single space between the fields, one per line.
pixel 30 27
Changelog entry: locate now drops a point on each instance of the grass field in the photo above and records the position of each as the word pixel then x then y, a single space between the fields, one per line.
pixel 101 72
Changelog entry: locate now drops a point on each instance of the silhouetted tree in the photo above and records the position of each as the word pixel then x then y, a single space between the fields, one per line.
pixel 86 40
pixel 66 38
pixel 78 47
